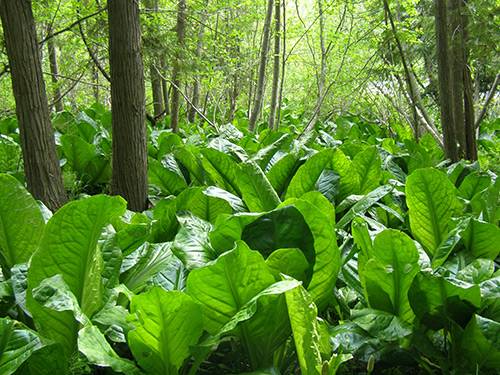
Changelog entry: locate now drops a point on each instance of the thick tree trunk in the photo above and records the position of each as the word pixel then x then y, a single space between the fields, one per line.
pixel 445 81
pixel 54 70
pixel 176 74
pixel 276 66
pixel 41 163
pixel 259 91
pixel 128 112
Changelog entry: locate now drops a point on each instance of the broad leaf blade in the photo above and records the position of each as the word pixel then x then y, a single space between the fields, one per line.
pixel 368 165
pixel 93 344
pixel 390 273
pixel 431 198
pixel 17 344
pixel 167 324
pixel 303 319
pixel 257 192
pixel 71 235
pixel 21 223
pixel 222 169
pixel 235 278
pixel 308 174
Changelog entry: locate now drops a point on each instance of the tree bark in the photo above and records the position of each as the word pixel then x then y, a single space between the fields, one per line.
pixel 128 104
pixel 445 81
pixel 176 74
pixel 259 93
pixel 157 92
pixel 41 163
pixel 54 70
pixel 276 66
pixel 197 85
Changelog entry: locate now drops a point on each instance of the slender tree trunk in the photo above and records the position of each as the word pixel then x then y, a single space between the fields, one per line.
pixel 54 70
pixel 176 74
pixel 276 66
pixel 41 163
pixel 164 86
pixel 283 66
pixel 445 81
pixel 321 80
pixel 469 116
pixel 197 84
pixel 95 87
pixel 457 74
pixel 128 104
pixel 156 90
pixel 259 94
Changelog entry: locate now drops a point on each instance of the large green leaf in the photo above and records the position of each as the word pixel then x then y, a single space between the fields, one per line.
pixel 167 324
pixel 257 192
pixel 431 199
pixel 303 319
pixel 481 343
pixel 93 344
pixel 437 302
pixel 167 176
pixel 204 206
pixel 307 176
pixel 389 275
pixel 17 344
pixel 487 204
pixel 266 313
pixel 264 155
pixel 282 228
pixel 482 239
pixel 21 223
pixel 140 269
pixel 381 324
pixel 77 152
pixel 224 287
pixel 349 178
pixel 68 247
pixel 191 244
pixel 10 155
pixel 473 184
pixel 191 162
pixel 364 204
pixel 165 224
pixel 326 255
pixel 282 172
pixel 221 168
pixel 368 164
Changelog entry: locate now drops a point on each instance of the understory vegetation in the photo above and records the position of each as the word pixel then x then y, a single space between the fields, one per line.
pixel 349 249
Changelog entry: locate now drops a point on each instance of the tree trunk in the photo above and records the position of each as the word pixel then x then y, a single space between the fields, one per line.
pixel 445 81
pixel 41 163
pixel 197 85
pixel 468 89
pixel 321 80
pixel 176 74
pixel 283 66
pixel 276 66
pixel 128 107
pixel 54 70
pixel 156 91
pixel 164 86
pixel 259 93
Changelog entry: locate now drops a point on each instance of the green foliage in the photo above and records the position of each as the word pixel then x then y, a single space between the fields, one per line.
pixel 274 254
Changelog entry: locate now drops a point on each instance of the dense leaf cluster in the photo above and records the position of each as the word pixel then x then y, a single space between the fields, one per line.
pixel 266 253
